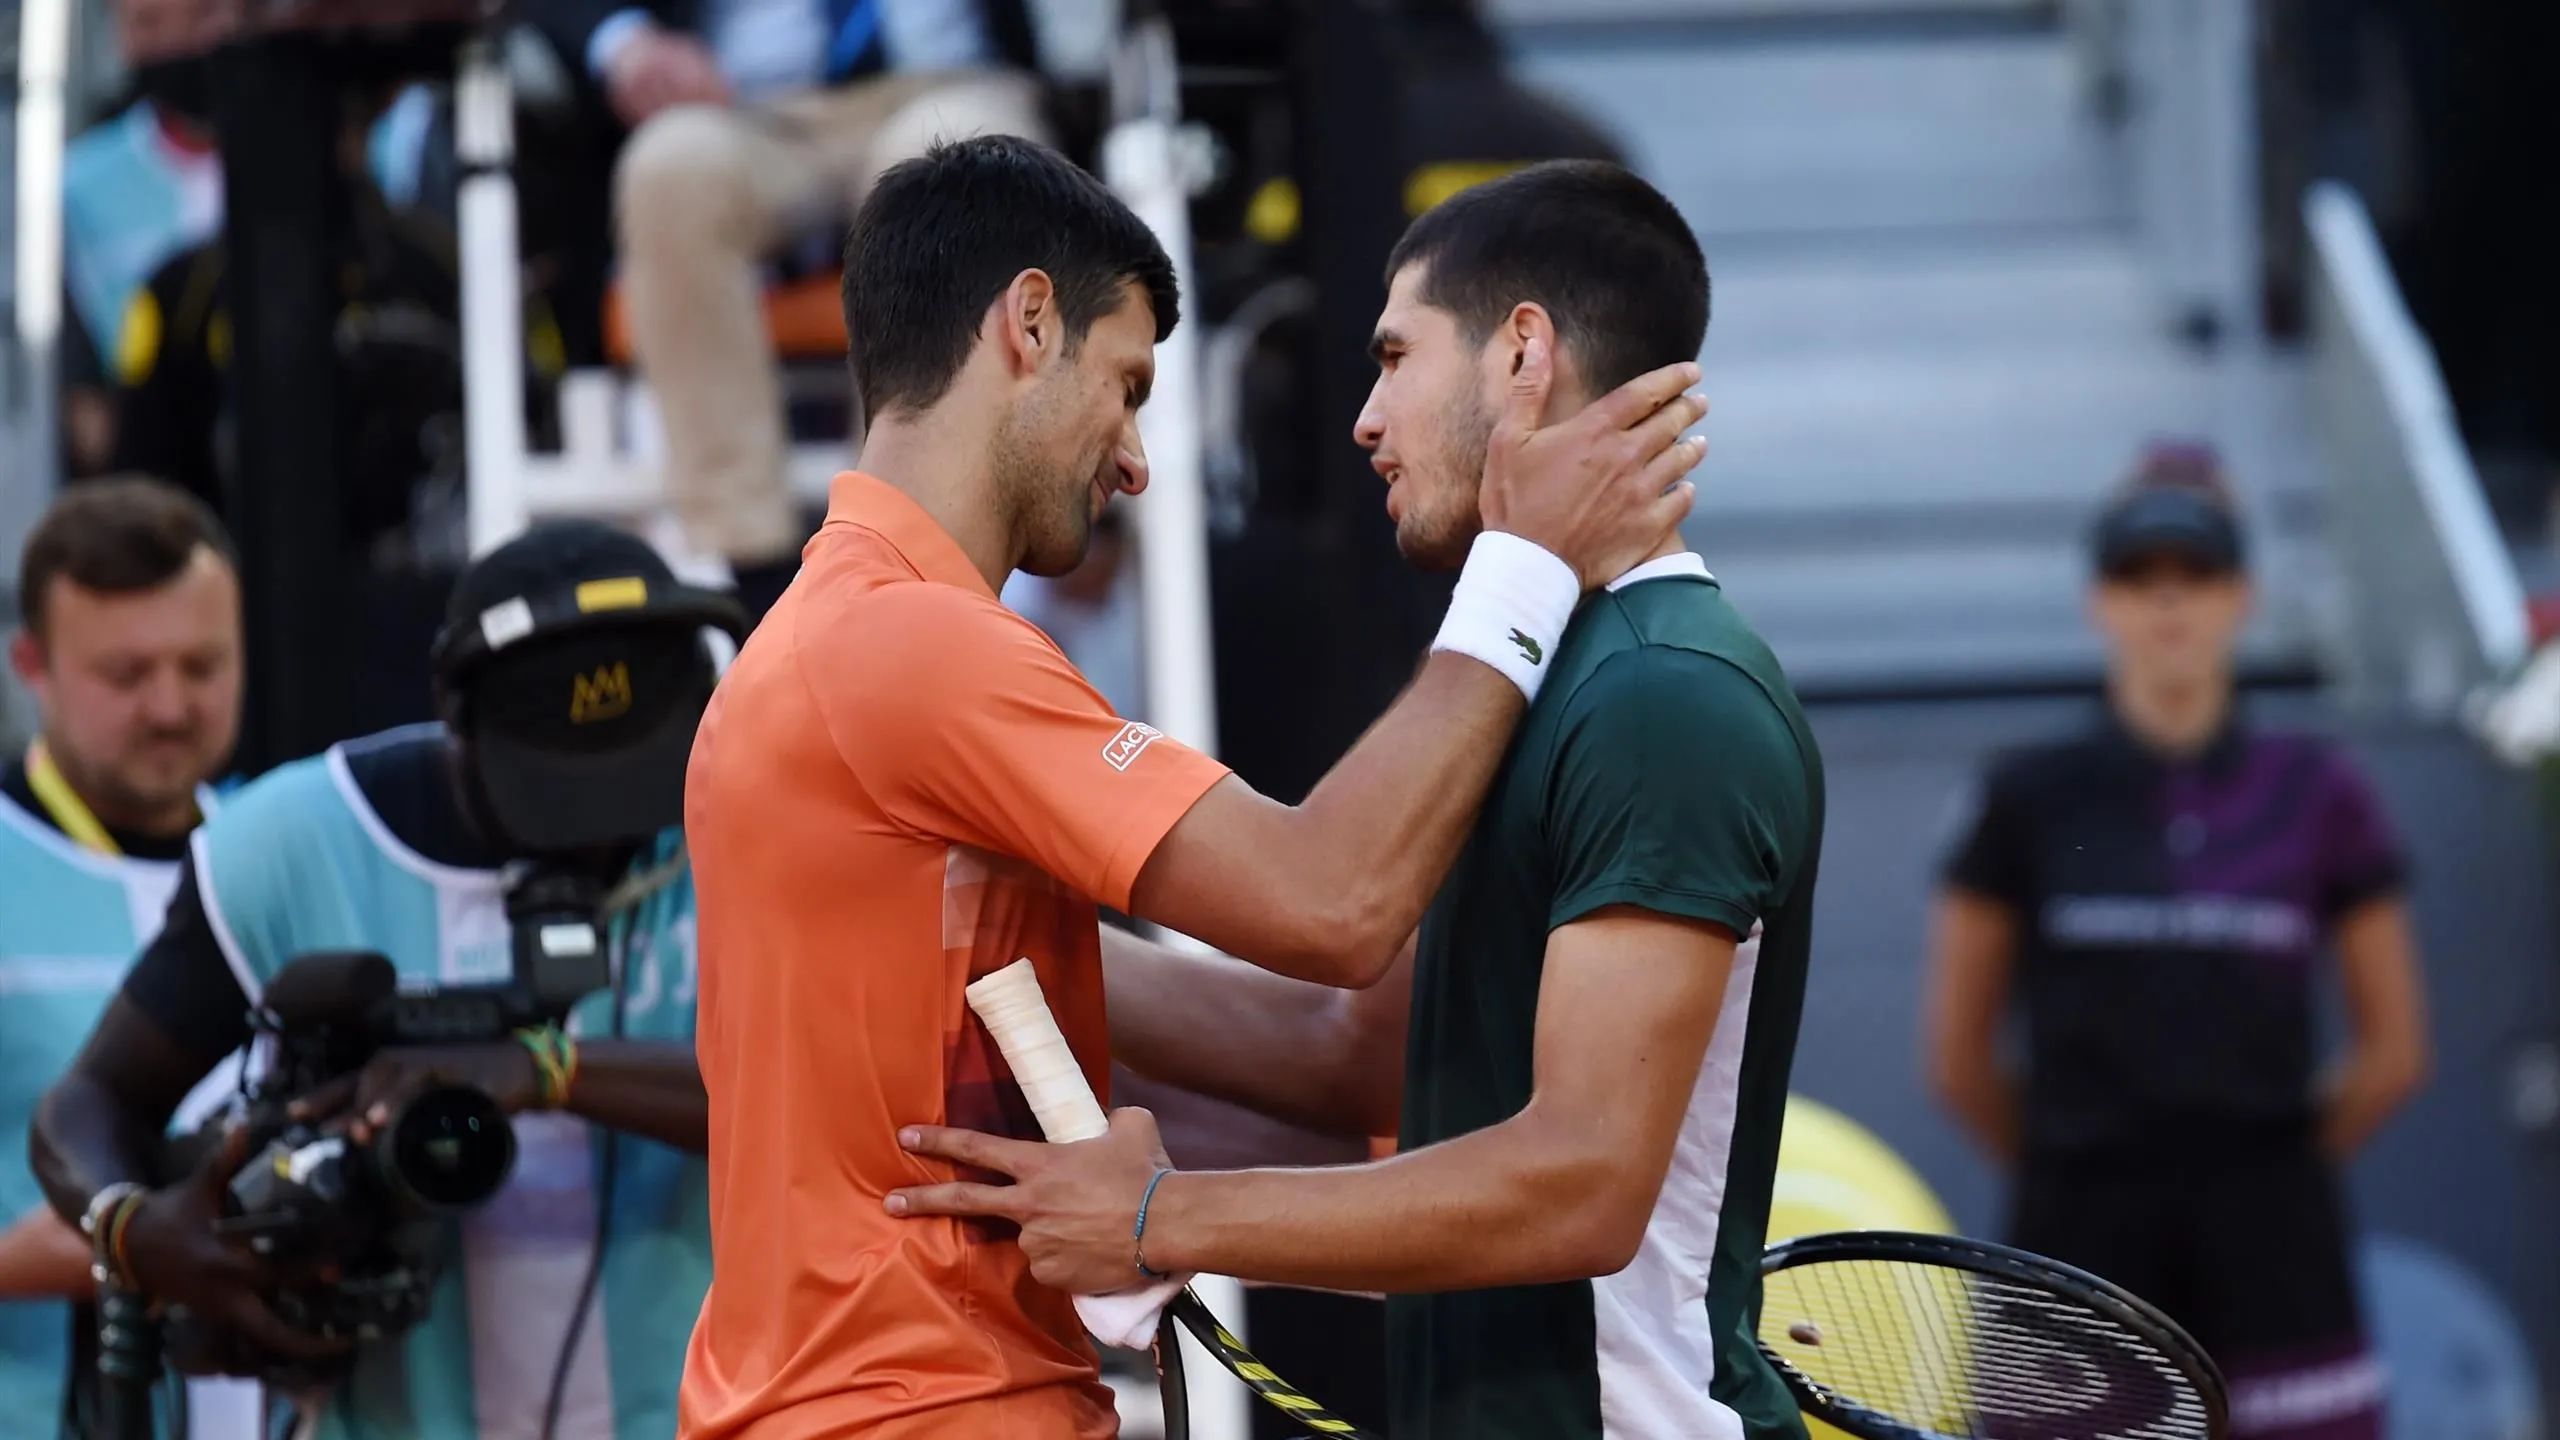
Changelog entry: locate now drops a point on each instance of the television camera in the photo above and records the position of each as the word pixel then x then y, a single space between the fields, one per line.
pixel 360 1223
pixel 368 1214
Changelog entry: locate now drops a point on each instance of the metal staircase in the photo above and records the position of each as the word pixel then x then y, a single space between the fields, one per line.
pixel 1964 255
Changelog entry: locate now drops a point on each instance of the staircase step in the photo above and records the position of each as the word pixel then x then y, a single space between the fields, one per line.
pixel 1989 615
pixel 1828 135
pixel 1814 297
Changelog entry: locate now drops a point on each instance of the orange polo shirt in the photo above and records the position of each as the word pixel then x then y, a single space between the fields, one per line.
pixel 899 786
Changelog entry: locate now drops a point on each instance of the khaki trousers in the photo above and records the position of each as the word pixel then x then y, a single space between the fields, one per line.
pixel 704 193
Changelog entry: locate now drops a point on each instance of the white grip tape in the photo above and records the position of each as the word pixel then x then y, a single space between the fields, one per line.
pixel 1017 1014
pixel 1010 1005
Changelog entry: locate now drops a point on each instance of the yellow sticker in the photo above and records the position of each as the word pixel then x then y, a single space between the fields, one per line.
pixel 138 339
pixel 627 592
pixel 1432 184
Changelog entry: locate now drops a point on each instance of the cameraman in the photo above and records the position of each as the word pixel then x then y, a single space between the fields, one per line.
pixel 570 676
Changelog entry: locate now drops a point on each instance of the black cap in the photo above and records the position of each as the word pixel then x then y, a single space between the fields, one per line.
pixel 572 667
pixel 2175 508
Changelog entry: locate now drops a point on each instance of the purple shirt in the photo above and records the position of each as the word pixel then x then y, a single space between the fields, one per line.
pixel 2173 916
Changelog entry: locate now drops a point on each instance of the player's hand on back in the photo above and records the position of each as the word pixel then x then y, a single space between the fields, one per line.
pixel 1604 489
pixel 1077 1204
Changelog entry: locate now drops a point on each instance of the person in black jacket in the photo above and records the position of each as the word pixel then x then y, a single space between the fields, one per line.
pixel 2160 898
pixel 752 121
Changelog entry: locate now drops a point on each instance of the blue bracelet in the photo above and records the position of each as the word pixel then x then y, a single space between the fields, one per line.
pixel 1138 1236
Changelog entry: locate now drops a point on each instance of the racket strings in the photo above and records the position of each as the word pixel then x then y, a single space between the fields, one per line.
pixel 1946 1352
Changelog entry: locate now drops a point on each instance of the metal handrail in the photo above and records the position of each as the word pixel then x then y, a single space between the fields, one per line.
pixel 45 29
pixel 2437 607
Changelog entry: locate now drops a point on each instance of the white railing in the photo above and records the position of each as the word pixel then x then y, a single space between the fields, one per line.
pixel 492 299
pixel 45 33
pixel 2434 606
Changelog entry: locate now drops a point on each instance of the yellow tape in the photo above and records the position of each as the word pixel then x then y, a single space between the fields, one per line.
pixel 138 339
pixel 1302 1410
pixel 627 592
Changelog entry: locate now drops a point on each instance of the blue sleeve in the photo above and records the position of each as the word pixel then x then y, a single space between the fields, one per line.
pixel 607 40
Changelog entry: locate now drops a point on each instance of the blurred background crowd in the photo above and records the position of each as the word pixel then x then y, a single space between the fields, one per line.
pixel 1977 264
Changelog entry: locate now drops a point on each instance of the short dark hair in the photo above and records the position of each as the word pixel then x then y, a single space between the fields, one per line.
pixel 116 535
pixel 941 236
pixel 1610 259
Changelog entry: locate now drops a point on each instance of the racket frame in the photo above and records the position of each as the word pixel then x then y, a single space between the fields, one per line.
pixel 1999 1262
pixel 1173 1388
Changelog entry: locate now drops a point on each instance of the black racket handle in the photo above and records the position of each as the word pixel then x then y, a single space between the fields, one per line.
pixel 1170 1385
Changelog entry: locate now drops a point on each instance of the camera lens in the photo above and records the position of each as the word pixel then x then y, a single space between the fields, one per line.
pixel 448 1149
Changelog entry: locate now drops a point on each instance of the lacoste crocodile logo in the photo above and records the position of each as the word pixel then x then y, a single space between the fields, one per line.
pixel 1529 647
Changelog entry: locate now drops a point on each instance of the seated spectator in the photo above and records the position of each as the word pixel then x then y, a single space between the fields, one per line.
pixel 753 121
pixel 137 188
pixel 399 377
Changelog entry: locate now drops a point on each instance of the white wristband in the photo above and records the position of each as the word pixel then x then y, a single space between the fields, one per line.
pixel 1513 600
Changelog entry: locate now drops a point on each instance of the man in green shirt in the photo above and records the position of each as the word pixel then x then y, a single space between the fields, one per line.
pixel 1585 1050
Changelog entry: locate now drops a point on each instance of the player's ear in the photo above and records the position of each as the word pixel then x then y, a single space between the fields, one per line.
pixel 26 656
pixel 1529 320
pixel 1031 328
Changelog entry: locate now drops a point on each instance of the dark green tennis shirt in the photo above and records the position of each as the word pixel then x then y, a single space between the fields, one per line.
pixel 1667 766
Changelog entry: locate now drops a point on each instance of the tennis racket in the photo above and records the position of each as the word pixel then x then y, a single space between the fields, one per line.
pixel 1012 1008
pixel 1893 1336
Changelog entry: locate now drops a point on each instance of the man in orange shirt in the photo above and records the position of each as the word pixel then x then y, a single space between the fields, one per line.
pixel 901 786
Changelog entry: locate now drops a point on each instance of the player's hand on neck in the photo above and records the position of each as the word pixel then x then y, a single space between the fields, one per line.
pixel 1603 488
pixel 1568 395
